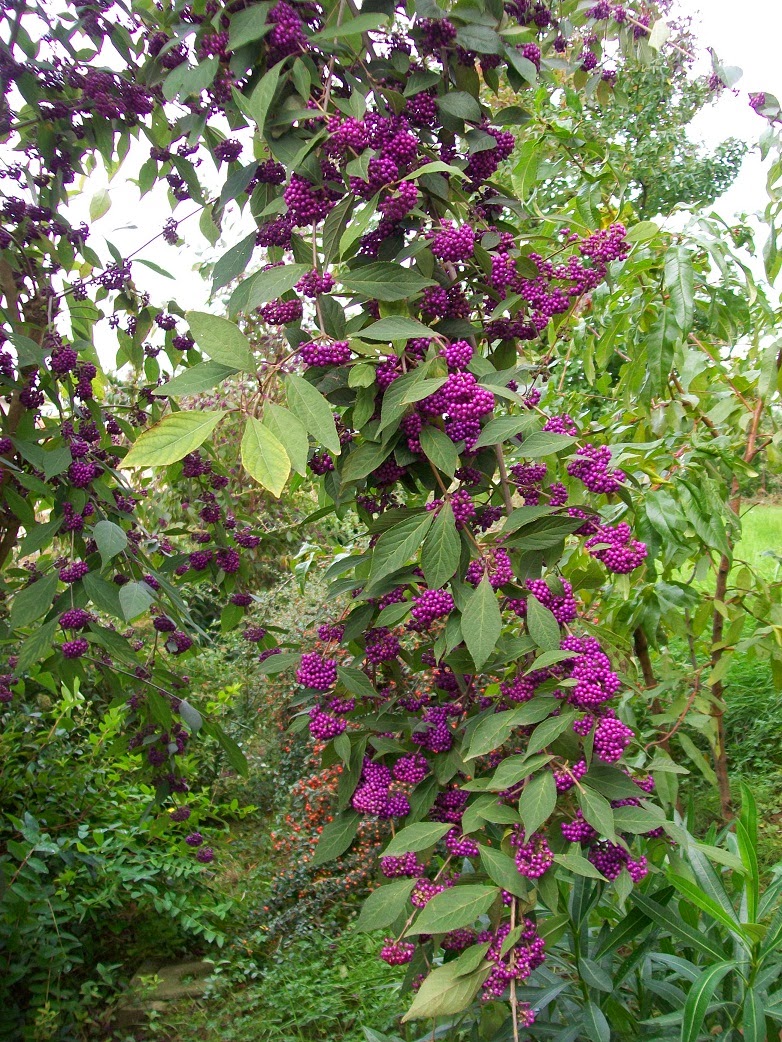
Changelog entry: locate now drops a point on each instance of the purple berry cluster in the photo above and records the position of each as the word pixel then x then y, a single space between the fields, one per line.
pixel 616 548
pixel 335 352
pixel 453 243
pixel 592 467
pixel 316 672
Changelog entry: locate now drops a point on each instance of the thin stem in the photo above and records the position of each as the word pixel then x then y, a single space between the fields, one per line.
pixel 514 1006
pixel 504 483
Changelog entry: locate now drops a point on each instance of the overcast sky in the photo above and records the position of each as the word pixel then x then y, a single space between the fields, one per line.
pixel 747 35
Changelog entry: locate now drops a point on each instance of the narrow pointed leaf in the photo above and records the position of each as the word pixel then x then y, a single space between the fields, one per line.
pixel 482 623
pixel 537 801
pixel 699 997
pixel 397 546
pixel 442 549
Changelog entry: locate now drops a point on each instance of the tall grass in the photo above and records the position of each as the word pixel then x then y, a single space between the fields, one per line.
pixel 761 539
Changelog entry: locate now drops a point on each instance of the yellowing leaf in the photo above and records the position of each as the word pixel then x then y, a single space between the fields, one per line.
pixel 172 438
pixel 264 457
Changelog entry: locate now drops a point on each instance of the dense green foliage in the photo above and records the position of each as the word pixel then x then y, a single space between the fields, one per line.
pixel 511 415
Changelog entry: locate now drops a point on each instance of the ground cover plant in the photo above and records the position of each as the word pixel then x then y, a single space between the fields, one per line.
pixel 526 414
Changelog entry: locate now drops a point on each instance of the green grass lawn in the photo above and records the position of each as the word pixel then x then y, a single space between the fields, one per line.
pixel 761 540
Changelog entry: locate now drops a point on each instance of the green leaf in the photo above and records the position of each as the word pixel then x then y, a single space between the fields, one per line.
pixel 709 881
pixel 445 991
pixel 33 601
pixel 336 837
pixel 263 96
pixel 385 281
pixel 442 549
pixel 537 801
pixel 39 536
pixel 356 681
pixel 236 757
pixel 104 595
pixel 523 516
pixel 193 719
pixel 597 811
pixel 397 546
pixel 492 732
pixel 278 663
pixel 222 340
pixel 460 105
pixel 644 231
pixel 611 783
pixel 314 411
pixel 110 540
pixel 201 377
pixel 699 998
pixel 248 25
pixel 100 204
pixel 264 457
pixel 134 599
pixel 395 328
pixel 363 460
pixel 439 448
pixel 233 263
pixel 351 26
pixel 416 837
pixel 679 277
pixel 437 167
pixel 578 865
pixel 487 808
pixel 514 769
pixel 479 38
pixel 525 173
pixel 502 429
pixel 595 1024
pixel 694 893
pixel 393 405
pixel 185 80
pixel 455 907
pixel 334 227
pixel 697 939
pixel 264 286
pixel 422 389
pixel 542 626
pixel 384 905
pixel 481 622
pixel 357 225
pixel 291 432
pixel 637 820
pixel 502 870
pixel 754 1020
pixel 36 647
pixel 523 66
pixel 361 375
pixel 172 438
pixel 659 35
pixel 544 443
pixel 660 343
